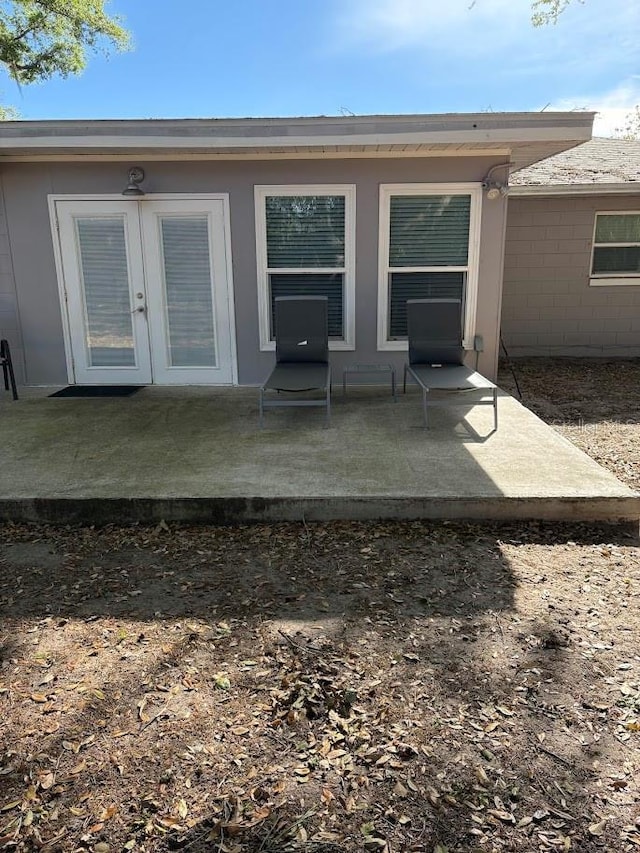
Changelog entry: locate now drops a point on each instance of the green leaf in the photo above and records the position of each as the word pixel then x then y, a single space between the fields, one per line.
pixel 221 681
pixel 42 38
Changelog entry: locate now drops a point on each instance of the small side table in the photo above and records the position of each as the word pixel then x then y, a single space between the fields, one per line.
pixel 357 369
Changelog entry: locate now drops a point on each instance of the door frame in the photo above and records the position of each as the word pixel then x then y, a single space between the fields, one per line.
pixel 53 198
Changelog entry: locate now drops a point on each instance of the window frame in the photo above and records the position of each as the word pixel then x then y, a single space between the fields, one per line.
pixel 474 190
pixel 261 193
pixel 615 278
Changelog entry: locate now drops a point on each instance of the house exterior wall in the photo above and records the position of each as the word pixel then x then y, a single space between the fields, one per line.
pixel 9 321
pixel 28 185
pixel 548 306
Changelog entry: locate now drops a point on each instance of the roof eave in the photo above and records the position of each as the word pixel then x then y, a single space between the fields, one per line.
pixel 559 131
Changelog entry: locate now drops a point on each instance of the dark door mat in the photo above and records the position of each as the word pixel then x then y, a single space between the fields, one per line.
pixel 97 391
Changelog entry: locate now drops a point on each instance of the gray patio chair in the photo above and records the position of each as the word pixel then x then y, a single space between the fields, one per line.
pixel 436 357
pixel 302 355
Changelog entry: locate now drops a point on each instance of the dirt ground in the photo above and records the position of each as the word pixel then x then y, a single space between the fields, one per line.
pixel 594 403
pixel 331 687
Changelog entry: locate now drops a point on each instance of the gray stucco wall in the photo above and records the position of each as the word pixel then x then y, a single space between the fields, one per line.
pixel 27 186
pixel 9 321
pixel 548 306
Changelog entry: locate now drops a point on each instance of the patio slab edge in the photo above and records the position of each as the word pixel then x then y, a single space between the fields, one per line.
pixel 245 510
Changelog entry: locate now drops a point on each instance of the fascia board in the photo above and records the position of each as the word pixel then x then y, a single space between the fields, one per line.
pixel 211 143
pixel 632 188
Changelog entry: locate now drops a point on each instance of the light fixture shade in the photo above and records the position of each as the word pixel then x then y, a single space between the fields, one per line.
pixel 132 189
pixel 135 178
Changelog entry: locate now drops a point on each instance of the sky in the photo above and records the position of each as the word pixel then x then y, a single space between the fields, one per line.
pixel 235 58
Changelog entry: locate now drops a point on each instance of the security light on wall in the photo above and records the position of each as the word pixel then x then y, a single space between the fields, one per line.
pixel 493 188
pixel 135 178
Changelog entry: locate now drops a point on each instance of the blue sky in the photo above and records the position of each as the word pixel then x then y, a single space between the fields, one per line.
pixel 208 58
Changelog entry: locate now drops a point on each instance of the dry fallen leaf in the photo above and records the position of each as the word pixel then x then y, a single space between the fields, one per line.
pixel 598 828
pixel 46 780
pixel 39 697
pixel 504 816
pixel 482 777
pixel 144 718
pixel 108 812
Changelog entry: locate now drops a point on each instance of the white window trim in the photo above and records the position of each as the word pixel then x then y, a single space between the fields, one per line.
pixel 611 279
pixel 386 191
pixel 261 192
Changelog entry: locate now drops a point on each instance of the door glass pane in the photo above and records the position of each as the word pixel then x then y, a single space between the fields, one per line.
pixel 105 277
pixel 188 291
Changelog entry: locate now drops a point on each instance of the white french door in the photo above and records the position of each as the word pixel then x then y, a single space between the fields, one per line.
pixel 147 290
pixel 105 291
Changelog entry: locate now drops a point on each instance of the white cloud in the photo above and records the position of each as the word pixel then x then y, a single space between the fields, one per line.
pixel 612 107
pixel 389 25
pixel 589 38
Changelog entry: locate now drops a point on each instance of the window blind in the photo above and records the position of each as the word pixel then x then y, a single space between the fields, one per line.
pixel 305 231
pixel 420 285
pixel 620 259
pixel 188 295
pixel 105 277
pixel 330 285
pixel 427 231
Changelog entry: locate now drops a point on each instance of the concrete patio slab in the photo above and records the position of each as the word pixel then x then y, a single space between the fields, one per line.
pixel 196 454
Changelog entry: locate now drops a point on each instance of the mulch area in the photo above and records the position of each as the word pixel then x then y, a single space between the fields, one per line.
pixel 331 687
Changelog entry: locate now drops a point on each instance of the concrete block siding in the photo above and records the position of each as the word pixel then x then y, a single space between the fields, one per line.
pixel 548 305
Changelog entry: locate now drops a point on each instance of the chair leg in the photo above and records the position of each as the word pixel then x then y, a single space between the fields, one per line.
pixel 404 380
pixel 424 408
pixel 329 390
pixel 495 409
pixel 7 368
pixel 261 409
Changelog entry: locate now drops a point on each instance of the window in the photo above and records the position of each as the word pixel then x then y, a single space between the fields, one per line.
pixel 428 248
pixel 616 249
pixel 306 247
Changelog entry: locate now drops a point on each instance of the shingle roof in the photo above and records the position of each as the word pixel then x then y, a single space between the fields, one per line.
pixel 599 161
